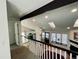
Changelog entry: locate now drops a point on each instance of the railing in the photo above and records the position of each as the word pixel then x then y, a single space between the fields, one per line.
pixel 44 50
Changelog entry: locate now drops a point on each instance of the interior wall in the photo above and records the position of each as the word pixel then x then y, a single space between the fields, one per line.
pixel 11 24
pixel 59 30
pixel 4 35
pixel 12 19
pixel 33 26
pixel 23 29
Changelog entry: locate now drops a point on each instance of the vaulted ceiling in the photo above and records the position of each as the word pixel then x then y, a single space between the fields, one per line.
pixel 62 17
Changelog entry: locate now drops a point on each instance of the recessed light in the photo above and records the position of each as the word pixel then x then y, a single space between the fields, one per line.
pixel 52 24
pixel 46 17
pixel 33 20
pixel 74 10
pixel 68 27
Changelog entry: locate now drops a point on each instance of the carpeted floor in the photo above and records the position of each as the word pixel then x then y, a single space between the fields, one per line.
pixel 22 53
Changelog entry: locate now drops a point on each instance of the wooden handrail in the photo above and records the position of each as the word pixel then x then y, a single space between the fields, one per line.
pixel 69 51
pixel 74 42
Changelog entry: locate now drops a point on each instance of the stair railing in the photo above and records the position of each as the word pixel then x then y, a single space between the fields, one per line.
pixel 44 50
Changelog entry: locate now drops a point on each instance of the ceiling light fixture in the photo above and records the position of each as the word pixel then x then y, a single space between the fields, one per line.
pixel 52 24
pixel 46 17
pixel 74 10
pixel 68 27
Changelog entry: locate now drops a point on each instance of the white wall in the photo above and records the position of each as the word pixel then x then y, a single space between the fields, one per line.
pixel 11 24
pixel 12 19
pixel 34 26
pixel 4 35
pixel 11 31
pixel 60 30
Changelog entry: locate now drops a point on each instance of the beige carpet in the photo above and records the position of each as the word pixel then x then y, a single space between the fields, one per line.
pixel 22 53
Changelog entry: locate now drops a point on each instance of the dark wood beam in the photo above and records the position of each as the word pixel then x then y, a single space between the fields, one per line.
pixel 50 6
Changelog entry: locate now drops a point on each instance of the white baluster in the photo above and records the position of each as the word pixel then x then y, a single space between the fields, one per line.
pixel 60 54
pixel 44 51
pixel 52 53
pixel 70 55
pixel 56 53
pixel 35 49
pixel 65 56
pixel 40 51
pixel 49 53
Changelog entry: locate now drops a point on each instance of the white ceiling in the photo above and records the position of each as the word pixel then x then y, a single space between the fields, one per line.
pixel 27 6
pixel 62 17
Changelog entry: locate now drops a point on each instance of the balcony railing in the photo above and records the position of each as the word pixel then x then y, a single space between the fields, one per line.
pixel 48 51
